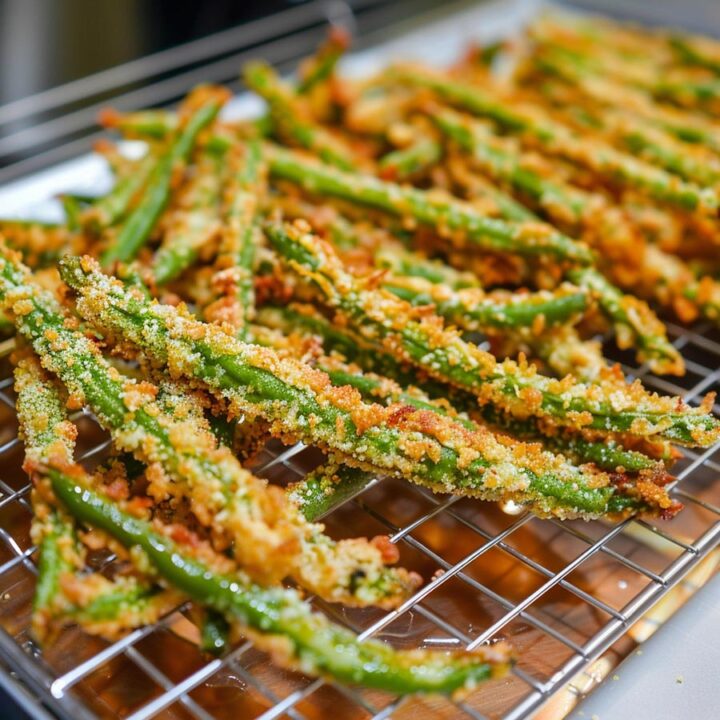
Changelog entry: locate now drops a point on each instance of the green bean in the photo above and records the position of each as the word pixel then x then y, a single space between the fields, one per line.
pixel 321 66
pixel 46 431
pixel 474 310
pixel 57 541
pixel 220 491
pixel 634 322
pixel 194 223
pixel 72 210
pixel 114 207
pixel 412 264
pixel 696 51
pixel 445 215
pixel 608 93
pixel 608 455
pixel 288 117
pixel 122 604
pixel 214 632
pixel 139 224
pixel 327 487
pixel 646 139
pixel 303 404
pixel 40 243
pixel 674 85
pixel 295 318
pixel 608 404
pixel 555 138
pixel 154 124
pixel 306 319
pixel 405 162
pixel 279 618
pixel 505 166
pixel 241 234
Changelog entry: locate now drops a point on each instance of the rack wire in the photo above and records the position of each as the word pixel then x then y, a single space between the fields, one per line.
pixel 562 592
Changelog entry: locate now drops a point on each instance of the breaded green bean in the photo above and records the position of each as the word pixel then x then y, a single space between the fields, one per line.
pixel 446 215
pixel 320 67
pixel 554 138
pixel 405 162
pixel 288 118
pixel 221 492
pixel 473 309
pixel 194 222
pixel 300 403
pixel 326 487
pixel 634 322
pixel 240 236
pixel 202 108
pixel 609 404
pixel 277 619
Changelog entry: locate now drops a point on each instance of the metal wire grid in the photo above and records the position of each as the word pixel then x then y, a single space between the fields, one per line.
pixel 73 690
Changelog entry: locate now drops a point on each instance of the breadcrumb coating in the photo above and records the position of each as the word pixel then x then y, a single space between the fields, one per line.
pixel 301 403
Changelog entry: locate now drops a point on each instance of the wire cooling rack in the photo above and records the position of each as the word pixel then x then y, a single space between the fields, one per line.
pixel 561 593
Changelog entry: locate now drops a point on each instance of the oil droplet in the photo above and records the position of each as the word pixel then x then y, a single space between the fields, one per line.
pixel 511 508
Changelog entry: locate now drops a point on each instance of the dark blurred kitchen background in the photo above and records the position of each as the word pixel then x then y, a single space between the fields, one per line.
pixel 44 43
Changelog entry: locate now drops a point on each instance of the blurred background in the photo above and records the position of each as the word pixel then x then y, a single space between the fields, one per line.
pixel 61 60
pixel 44 43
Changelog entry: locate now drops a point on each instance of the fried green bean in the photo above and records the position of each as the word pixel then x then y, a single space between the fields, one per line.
pixel 474 310
pixel 652 142
pixel 446 215
pixel 40 243
pixel 683 86
pixel 320 67
pixel 599 89
pixel 608 404
pixel 301 403
pixel 241 236
pixel 327 487
pixel 412 264
pixel 699 51
pixel 634 322
pixel 101 606
pixel 305 319
pixel 405 162
pixel 554 138
pixel 202 108
pixel 277 619
pixel 503 165
pixel 214 632
pixel 152 124
pixel 194 222
pixel 289 120
pixel 606 454
pixel 114 207
pixel 383 380
pixel 46 433
pixel 221 492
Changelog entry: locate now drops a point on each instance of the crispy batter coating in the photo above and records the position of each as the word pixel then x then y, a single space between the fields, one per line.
pixel 301 403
